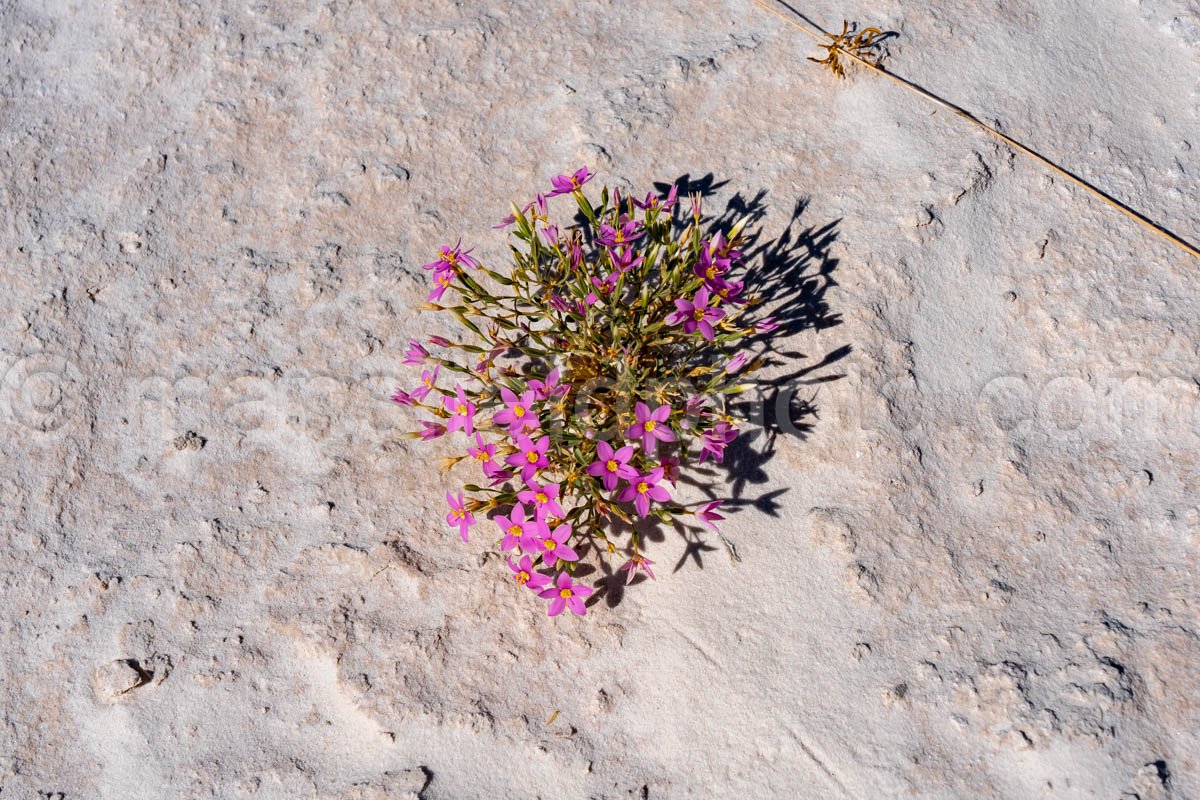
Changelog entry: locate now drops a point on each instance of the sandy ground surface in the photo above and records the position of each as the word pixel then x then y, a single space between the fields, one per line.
pixel 225 575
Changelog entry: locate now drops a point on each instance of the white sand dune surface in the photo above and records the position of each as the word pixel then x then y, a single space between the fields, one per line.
pixel 970 570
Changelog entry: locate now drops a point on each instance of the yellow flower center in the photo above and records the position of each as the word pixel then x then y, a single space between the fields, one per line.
pixel 429 382
pixel 462 409
pixel 643 487
pixel 532 456
pixel 521 577
pixel 711 272
pixel 611 465
pixel 541 498
pixel 574 182
pixel 483 455
pixel 458 513
pixel 442 280
pixel 519 412
pixel 549 544
pixel 564 593
pixel 514 530
pixel 698 314
pixel 649 425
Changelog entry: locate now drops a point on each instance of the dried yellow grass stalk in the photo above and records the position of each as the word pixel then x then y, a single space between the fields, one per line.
pixel 858 47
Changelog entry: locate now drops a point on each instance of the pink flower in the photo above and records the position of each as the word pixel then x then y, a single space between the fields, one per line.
pixel 670 466
pixel 431 430
pixel 624 260
pixel 737 362
pixel 634 564
pixel 497 475
pixel 708 515
pixel 487 360
pixel 416 353
pixel 650 426
pixel 549 387
pixel 451 258
pixel 523 574
pixel 612 464
pixel 485 454
pixel 619 237
pixel 462 412
pixel 441 282
pixel 605 284
pixel 644 488
pixel 565 593
pixel 404 398
pixel 692 411
pixel 554 545
pixel 575 251
pixel 519 413
pixel 565 184
pixel 765 325
pixel 544 499
pixel 459 515
pixel 709 268
pixel 696 314
pixel 517 529
pixel 730 292
pixel 714 440
pixel 440 341
pixel 428 379
pixel 651 202
pixel 511 218
pixel 697 204
pixel 530 455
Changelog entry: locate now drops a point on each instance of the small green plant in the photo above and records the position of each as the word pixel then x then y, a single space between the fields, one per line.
pixel 595 369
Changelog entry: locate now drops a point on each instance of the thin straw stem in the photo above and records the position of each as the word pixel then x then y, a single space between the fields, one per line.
pixel 825 39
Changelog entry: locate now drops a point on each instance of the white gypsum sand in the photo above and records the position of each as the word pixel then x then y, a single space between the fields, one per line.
pixel 226 576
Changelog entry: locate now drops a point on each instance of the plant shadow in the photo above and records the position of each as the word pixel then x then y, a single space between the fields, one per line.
pixel 792 274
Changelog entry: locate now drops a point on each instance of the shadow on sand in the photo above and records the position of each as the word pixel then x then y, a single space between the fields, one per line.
pixel 792 274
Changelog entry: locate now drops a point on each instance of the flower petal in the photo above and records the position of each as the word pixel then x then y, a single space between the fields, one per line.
pixel 659 494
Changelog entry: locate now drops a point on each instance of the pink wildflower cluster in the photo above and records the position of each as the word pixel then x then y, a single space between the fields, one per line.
pixel 594 371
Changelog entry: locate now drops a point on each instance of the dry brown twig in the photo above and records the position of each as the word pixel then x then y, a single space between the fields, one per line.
pixel 858 47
